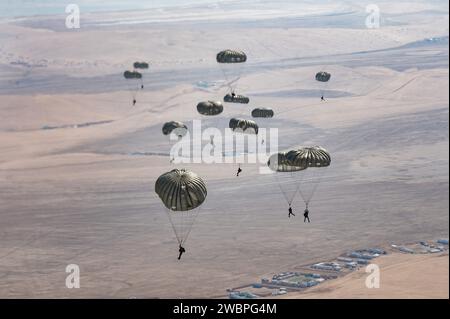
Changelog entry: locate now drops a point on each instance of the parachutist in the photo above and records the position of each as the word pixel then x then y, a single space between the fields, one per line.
pixel 182 192
pixel 181 251
pixel 322 98
pixel 238 171
pixel 134 102
pixel 142 86
pixel 306 215
pixel 290 212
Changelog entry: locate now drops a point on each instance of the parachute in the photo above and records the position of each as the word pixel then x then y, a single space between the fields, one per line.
pixel 279 163
pixel 231 56
pixel 230 98
pixel 140 65
pixel 323 76
pixel 287 175
pixel 231 63
pixel 243 126
pixel 315 158
pixel 182 192
pixel 179 128
pixel 132 75
pixel 134 82
pixel 210 108
pixel 263 112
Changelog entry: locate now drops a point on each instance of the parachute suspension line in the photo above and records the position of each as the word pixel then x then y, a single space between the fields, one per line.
pixel 194 218
pixel 228 71
pixel 182 223
pixel 234 81
pixel 296 190
pixel 132 88
pixel 293 196
pixel 315 178
pixel 230 80
pixel 284 194
pixel 289 199
pixel 173 226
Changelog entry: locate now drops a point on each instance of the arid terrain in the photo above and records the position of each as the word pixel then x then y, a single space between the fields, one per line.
pixel 78 162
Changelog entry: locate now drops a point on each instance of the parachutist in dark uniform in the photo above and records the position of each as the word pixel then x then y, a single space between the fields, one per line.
pixel 322 98
pixel 306 215
pixel 134 102
pixel 181 251
pixel 290 212
pixel 239 171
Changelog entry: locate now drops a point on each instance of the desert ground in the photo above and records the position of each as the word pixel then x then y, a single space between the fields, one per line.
pixel 78 162
pixel 402 276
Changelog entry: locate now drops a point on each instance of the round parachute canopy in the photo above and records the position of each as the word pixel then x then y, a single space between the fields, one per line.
pixel 315 156
pixel 132 75
pixel 181 190
pixel 140 65
pixel 179 128
pixel 243 126
pixel 210 108
pixel 262 112
pixel 323 76
pixel 278 162
pixel 229 98
pixel 231 56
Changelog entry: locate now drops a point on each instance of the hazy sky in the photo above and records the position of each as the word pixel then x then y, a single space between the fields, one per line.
pixel 13 8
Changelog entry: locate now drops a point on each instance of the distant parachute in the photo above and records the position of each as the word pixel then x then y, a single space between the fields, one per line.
pixel 315 156
pixel 263 112
pixel 230 98
pixel 323 76
pixel 132 75
pixel 243 126
pixel 179 128
pixel 134 83
pixel 140 65
pixel 232 63
pixel 182 192
pixel 231 56
pixel 210 108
